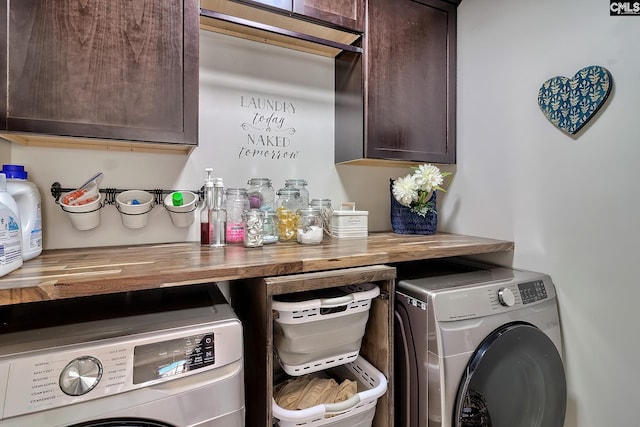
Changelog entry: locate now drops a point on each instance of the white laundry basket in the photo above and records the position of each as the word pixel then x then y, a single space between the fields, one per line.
pixel 316 330
pixel 358 411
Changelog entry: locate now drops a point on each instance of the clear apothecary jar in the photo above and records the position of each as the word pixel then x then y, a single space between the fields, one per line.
pixel 326 210
pixel 261 194
pixel 301 185
pixel 236 202
pixel 253 228
pixel 270 227
pixel 288 204
pixel 309 226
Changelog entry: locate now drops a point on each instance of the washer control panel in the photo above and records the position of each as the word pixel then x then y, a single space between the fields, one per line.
pixel 173 357
pixel 60 376
pixel 80 376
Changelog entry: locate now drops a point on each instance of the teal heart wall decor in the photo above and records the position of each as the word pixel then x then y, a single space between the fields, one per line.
pixel 569 103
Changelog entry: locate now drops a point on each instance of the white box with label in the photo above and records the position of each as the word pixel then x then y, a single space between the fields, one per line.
pixel 349 223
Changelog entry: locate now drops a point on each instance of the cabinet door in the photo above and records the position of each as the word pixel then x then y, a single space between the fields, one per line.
pixel 3 68
pixel 410 84
pixel 112 69
pixel 344 13
pixel 280 4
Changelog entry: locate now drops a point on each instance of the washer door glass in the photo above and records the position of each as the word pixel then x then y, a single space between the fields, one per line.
pixel 514 379
pixel 123 422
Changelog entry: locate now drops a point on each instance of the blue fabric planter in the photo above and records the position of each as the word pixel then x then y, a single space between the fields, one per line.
pixel 403 221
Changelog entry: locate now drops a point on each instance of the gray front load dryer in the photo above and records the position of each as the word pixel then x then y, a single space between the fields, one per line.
pixel 477 345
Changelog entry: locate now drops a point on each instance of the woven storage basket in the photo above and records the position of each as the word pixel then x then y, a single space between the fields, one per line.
pixel 403 221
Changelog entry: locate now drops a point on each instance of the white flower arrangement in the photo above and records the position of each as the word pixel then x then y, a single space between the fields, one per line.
pixel 414 190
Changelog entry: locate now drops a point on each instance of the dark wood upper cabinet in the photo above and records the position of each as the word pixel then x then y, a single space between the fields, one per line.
pixel 348 14
pixel 106 69
pixel 402 87
pixel 344 13
pixel 280 4
pixel 3 66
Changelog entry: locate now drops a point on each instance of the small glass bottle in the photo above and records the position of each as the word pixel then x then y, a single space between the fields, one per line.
pixel 309 226
pixel 205 213
pixel 326 211
pixel 270 227
pixel 301 185
pixel 218 216
pixel 261 194
pixel 287 212
pixel 253 228
pixel 236 202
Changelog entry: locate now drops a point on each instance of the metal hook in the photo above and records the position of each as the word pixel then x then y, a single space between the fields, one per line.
pixel 110 196
pixel 56 191
pixel 158 196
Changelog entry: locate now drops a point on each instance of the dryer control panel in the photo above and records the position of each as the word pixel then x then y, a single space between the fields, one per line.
pixel 484 299
pixel 532 291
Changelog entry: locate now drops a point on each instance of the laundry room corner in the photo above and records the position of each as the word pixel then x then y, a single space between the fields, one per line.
pixel 568 201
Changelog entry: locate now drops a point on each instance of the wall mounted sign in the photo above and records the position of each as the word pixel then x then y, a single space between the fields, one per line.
pixel 269 135
pixel 569 103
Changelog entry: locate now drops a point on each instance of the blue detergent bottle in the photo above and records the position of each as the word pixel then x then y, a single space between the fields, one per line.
pixel 27 197
pixel 10 233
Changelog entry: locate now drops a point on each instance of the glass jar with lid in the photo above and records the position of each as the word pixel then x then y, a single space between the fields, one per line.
pixel 236 202
pixel 309 226
pixel 301 185
pixel 270 227
pixel 261 194
pixel 326 210
pixel 253 228
pixel 288 204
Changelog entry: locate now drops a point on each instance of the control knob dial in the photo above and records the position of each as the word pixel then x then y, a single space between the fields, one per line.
pixel 506 297
pixel 80 376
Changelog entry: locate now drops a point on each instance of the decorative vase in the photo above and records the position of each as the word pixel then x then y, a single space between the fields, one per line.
pixel 404 221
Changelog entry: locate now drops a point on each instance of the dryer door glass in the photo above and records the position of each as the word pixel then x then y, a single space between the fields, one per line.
pixel 514 379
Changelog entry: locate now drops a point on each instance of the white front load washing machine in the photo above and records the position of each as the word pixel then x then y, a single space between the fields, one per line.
pixel 477 345
pixel 162 363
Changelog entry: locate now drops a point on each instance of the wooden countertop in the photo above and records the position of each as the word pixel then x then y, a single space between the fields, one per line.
pixel 68 273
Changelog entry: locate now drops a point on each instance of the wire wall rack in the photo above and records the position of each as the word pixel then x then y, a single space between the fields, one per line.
pixel 110 193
